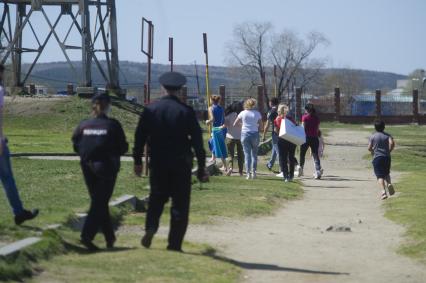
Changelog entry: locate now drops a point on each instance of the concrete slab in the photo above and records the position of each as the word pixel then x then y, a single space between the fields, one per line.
pixel 123 200
pixel 18 246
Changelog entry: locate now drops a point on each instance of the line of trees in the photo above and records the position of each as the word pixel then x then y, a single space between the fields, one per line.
pixel 285 58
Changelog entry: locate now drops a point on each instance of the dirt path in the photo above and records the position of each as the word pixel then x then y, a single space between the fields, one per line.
pixel 294 246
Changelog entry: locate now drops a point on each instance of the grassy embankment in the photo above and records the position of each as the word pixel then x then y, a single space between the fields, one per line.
pixel 408 208
pixel 57 188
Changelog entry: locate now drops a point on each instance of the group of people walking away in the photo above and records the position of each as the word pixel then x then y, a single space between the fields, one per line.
pixel 284 149
pixel 240 125
pixel 171 130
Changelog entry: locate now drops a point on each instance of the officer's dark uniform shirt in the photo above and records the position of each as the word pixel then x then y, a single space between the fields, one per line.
pixel 172 129
pixel 99 139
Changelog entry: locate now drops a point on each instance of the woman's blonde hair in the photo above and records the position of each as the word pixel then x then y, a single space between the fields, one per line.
pixel 250 103
pixel 282 109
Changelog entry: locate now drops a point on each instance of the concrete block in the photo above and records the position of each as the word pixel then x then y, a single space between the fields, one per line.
pixel 53 227
pixel 78 222
pixel 18 246
pixel 125 199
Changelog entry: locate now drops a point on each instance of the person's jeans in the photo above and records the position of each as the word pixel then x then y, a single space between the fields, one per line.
pixel 8 181
pixel 313 143
pixel 274 151
pixel 250 143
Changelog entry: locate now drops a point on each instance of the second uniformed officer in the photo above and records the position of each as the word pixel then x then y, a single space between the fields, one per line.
pixel 171 129
pixel 99 142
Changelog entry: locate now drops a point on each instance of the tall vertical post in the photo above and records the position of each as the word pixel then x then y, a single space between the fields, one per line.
pixel 260 95
pixel 114 46
pixel 17 53
pixel 337 103
pixel 298 104
pixel 415 105
pixel 184 94
pixel 222 93
pixel 378 103
pixel 275 81
pixel 70 89
pixel 32 89
pixel 171 53
pixel 206 53
pixel 86 43
pixel 150 31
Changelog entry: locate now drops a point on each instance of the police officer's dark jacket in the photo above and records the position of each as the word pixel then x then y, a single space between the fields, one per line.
pixel 99 139
pixel 172 129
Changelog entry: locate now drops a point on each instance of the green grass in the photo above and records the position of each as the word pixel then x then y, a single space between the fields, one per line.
pixel 57 188
pixel 132 263
pixel 47 126
pixel 409 208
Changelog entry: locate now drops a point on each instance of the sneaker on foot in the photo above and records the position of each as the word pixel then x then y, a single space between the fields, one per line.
pixel 26 215
pixel 248 177
pixel 391 189
pixel 280 175
pixel 317 175
pixel 254 176
pixel 384 195
pixel 229 172
pixel 300 172
pixel 269 167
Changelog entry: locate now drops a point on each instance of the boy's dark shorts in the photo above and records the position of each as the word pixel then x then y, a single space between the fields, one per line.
pixel 382 165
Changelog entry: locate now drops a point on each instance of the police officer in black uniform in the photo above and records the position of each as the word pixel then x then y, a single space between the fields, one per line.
pixel 99 142
pixel 171 129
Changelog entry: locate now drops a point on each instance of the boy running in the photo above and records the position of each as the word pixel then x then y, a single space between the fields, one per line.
pixel 381 145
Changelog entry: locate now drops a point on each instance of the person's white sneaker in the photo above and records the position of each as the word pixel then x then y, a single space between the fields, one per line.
pixel 248 176
pixel 317 175
pixel 300 172
pixel 280 175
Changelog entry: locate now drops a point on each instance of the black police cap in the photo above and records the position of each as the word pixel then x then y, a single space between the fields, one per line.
pixel 172 80
pixel 101 97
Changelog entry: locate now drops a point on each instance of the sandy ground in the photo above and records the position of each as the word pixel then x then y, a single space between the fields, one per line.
pixel 294 246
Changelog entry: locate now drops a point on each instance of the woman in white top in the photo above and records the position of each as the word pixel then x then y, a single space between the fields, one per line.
pixel 251 121
pixel 233 136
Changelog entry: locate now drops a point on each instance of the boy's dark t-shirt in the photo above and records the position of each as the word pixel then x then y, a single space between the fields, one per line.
pixel 272 114
pixel 380 144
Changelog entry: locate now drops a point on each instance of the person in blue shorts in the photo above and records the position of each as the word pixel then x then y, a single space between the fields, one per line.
pixel 381 144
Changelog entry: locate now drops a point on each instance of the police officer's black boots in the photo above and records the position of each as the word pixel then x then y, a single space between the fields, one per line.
pixel 147 239
pixel 26 215
pixel 89 245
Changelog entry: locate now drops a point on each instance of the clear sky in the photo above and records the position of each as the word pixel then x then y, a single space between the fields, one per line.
pixel 384 35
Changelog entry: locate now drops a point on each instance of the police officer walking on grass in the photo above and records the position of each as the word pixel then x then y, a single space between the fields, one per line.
pixel 99 142
pixel 171 129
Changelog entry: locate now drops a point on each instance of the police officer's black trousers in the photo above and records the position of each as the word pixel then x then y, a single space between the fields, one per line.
pixel 171 180
pixel 100 190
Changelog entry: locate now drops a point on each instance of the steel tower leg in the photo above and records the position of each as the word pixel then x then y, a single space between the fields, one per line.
pixel 86 44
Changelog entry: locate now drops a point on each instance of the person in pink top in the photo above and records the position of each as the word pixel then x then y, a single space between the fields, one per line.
pixel 310 122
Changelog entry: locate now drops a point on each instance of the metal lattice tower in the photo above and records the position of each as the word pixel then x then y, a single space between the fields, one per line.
pixel 79 11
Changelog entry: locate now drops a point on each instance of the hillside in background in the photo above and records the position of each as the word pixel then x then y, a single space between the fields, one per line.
pixel 133 76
